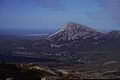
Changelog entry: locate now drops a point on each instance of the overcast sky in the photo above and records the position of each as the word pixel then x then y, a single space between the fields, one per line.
pixel 52 14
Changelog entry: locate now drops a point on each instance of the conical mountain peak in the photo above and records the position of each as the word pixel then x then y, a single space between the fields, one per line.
pixel 71 31
pixel 75 26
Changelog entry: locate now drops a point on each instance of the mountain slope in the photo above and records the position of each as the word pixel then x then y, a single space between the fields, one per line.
pixel 114 34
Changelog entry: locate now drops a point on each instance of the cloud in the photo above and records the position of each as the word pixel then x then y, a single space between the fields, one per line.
pixel 52 4
pixel 111 10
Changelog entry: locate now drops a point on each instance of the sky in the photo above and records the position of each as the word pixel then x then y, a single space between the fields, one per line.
pixel 48 15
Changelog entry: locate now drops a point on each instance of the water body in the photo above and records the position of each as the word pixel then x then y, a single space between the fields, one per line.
pixel 18 58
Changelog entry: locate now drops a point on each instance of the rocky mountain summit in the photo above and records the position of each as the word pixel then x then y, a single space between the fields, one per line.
pixel 72 31
pixel 75 33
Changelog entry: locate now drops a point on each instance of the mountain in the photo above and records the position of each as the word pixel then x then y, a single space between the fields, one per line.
pixel 72 31
pixel 73 34
pixel 82 43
